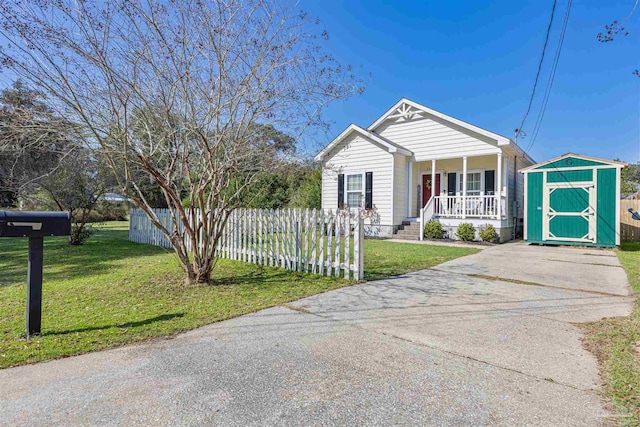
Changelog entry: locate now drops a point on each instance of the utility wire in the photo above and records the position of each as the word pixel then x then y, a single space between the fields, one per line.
pixel 552 74
pixel 535 84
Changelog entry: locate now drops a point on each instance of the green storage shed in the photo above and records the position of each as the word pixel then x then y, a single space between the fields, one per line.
pixel 573 200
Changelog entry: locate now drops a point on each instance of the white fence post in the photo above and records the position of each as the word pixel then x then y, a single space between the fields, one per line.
pixel 305 240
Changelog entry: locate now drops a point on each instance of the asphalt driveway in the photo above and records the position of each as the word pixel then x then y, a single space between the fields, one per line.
pixel 448 346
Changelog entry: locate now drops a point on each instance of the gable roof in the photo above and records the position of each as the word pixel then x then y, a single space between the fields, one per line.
pixel 590 161
pixel 384 143
pixel 501 140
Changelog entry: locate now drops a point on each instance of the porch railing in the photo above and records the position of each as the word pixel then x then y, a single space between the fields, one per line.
pixel 475 207
pixel 483 207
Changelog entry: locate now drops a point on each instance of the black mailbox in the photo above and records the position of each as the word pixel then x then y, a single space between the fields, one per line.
pixel 34 224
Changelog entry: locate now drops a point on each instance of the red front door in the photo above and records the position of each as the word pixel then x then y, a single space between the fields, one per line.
pixel 427 188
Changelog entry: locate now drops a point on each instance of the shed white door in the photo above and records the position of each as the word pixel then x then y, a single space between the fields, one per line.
pixel 569 212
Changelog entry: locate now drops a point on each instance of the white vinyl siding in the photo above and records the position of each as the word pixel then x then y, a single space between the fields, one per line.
pixel 515 186
pixel 520 187
pixel 430 139
pixel 400 192
pixel 359 155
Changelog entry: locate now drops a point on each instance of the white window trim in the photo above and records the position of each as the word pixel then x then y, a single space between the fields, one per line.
pixel 362 192
pixel 459 177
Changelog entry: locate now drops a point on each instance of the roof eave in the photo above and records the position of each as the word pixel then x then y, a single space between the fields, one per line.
pixel 500 140
pixel 365 133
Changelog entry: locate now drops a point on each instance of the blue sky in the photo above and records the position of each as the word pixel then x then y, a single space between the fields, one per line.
pixel 477 61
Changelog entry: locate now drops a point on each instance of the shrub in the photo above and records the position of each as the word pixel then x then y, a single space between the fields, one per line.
pixel 433 230
pixel 108 211
pixel 80 233
pixel 466 232
pixel 488 233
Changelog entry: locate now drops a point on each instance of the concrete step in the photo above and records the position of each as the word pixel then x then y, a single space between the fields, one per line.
pixel 409 227
pixel 408 230
pixel 407 233
pixel 405 237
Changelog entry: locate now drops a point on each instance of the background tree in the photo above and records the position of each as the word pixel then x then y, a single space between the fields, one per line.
pixel 32 141
pixel 630 179
pixel 618 27
pixel 180 90
pixel 308 194
pixel 41 162
pixel 76 186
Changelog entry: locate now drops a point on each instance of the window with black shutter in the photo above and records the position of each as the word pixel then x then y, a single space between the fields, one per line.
pixel 451 184
pixel 340 191
pixel 368 194
pixel 490 183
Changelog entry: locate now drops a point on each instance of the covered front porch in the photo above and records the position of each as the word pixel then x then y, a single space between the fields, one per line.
pixel 458 189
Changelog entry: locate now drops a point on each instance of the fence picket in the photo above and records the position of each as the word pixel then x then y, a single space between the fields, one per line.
pixel 330 249
pixel 336 263
pixel 347 246
pixel 357 250
pixel 314 242
pixel 271 252
pixel 305 240
pixel 321 243
pixel 259 224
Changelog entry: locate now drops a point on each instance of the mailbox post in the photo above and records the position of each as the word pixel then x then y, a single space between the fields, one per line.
pixel 35 226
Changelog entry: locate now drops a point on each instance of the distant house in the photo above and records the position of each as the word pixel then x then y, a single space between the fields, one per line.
pixel 115 199
pixel 415 164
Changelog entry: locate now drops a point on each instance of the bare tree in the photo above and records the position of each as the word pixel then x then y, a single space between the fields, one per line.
pixel 179 89
pixel 76 186
pixel 618 27
pixel 33 141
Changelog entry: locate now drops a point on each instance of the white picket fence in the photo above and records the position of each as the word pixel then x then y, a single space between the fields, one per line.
pixel 305 240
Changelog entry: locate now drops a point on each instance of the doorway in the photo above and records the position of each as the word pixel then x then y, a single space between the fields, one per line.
pixel 428 189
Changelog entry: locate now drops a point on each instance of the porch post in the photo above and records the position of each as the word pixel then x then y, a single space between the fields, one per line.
pixel 464 187
pixel 498 192
pixel 433 178
pixel 410 189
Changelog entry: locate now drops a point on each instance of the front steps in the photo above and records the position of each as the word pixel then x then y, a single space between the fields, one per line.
pixel 409 230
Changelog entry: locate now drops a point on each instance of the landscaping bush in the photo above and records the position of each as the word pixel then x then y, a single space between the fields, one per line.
pixel 433 230
pixel 488 233
pixel 108 211
pixel 80 233
pixel 466 232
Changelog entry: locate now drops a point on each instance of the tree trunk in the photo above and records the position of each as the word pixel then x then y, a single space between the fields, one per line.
pixel 197 275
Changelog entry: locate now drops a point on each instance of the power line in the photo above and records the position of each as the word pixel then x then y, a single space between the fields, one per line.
pixel 535 84
pixel 552 74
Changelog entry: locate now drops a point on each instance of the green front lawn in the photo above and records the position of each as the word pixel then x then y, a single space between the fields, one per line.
pixel 111 292
pixel 383 258
pixel 616 344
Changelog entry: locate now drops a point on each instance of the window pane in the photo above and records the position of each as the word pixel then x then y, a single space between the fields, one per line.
pixel 353 200
pixel 354 182
pixel 473 183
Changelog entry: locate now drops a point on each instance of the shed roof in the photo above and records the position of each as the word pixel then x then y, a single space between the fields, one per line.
pixel 562 162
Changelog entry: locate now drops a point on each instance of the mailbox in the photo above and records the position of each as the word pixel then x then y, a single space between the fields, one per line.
pixel 34 224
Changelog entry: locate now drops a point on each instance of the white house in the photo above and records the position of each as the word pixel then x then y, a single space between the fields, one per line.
pixel 393 164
